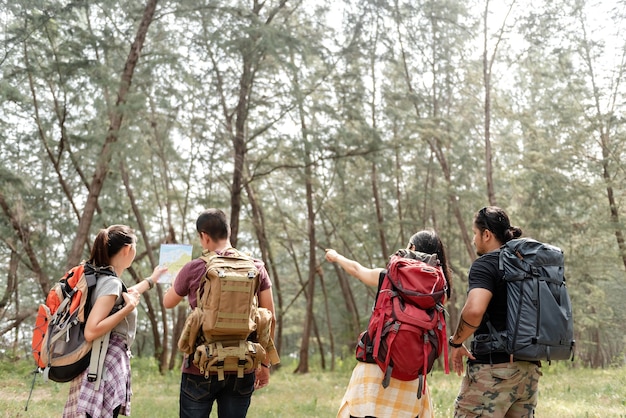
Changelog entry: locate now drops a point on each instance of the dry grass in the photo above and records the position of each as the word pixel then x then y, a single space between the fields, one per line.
pixel 565 393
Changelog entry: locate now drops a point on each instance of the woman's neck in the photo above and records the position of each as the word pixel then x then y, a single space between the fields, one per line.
pixel 118 266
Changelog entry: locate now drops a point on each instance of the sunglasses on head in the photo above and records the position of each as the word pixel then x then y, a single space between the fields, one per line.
pixel 483 212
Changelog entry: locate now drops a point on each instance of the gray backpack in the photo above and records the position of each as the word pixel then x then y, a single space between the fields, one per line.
pixel 539 320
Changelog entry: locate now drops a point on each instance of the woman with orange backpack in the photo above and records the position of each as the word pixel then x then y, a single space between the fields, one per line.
pixel 114 249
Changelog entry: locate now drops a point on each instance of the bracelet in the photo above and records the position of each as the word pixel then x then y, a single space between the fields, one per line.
pixel 267 366
pixel 452 344
pixel 150 282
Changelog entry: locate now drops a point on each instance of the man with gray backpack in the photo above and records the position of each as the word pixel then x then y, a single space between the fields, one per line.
pixel 520 313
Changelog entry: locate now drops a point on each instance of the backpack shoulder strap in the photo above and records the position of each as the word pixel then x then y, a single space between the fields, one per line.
pixel 207 256
pixel 101 344
pixel 381 279
pixel 96 362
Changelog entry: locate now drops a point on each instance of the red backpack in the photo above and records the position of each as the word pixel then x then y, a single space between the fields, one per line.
pixel 407 330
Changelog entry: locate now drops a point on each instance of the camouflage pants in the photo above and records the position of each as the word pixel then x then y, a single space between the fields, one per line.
pixel 500 390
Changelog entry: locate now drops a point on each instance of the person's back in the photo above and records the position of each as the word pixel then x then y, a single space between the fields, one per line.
pixel 365 395
pixel 232 392
pixel 493 385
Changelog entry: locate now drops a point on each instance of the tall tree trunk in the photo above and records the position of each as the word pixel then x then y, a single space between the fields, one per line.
pixel 346 290
pixel 251 56
pixel 14 260
pixel 613 206
pixel 491 194
pixel 379 214
pixel 487 69
pixel 603 128
pixel 159 343
pixel 23 233
pixel 179 317
pixel 303 365
pixel 61 113
pixel 380 224
pixel 436 147
pixel 239 147
pixel 399 196
pixel 329 324
pixel 258 221
pixel 115 124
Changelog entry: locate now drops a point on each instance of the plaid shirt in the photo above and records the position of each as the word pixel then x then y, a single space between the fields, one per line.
pixel 114 390
pixel 365 396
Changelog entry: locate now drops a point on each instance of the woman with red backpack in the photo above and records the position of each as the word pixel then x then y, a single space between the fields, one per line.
pixel 365 395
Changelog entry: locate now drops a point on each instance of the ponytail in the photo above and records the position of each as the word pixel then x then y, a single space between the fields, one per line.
pixel 496 220
pixel 109 242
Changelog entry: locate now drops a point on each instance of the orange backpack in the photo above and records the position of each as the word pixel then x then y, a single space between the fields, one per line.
pixel 59 346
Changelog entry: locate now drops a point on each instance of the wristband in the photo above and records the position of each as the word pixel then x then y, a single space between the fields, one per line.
pixel 267 366
pixel 452 344
pixel 150 282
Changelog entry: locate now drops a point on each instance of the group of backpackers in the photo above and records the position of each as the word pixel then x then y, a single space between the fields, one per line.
pixel 228 338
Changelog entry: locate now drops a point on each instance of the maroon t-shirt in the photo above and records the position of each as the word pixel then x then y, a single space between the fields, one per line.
pixel 187 282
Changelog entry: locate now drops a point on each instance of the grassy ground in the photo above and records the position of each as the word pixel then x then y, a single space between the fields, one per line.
pixel 565 393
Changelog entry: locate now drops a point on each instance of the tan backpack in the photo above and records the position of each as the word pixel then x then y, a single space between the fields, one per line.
pixel 227 331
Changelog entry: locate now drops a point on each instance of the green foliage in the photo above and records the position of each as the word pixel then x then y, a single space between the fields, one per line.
pixel 385 96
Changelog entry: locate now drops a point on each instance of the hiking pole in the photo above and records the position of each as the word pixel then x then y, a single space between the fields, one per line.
pixel 32 386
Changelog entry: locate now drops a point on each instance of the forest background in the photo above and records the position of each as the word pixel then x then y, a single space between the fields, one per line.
pixel 325 124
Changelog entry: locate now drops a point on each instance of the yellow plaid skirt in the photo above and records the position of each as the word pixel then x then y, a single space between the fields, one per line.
pixel 365 396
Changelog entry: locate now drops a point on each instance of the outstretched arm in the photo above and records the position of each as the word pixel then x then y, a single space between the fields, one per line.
pixel 355 269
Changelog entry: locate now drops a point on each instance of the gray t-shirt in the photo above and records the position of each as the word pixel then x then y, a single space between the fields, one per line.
pixel 110 285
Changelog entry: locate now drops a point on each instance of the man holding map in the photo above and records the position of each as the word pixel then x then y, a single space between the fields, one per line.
pixel 197 393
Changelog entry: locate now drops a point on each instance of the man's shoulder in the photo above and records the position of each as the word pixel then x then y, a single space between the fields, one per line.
pixel 485 268
pixel 192 267
pixel 189 276
pixel 489 258
pixel 230 251
pixel 195 262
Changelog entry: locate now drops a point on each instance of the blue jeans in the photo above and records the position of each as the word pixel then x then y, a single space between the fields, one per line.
pixel 232 394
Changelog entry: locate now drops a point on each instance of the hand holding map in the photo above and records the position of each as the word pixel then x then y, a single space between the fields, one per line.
pixel 174 256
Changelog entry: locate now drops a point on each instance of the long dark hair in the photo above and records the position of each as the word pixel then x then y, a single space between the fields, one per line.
pixel 109 242
pixel 427 241
pixel 496 220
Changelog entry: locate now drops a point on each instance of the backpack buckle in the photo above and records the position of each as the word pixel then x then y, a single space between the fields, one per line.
pixel 396 326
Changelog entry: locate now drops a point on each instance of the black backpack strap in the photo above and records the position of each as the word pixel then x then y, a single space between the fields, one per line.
pixel 365 341
pixel 121 305
pixel 381 279
pixel 93 274
pixel 487 344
